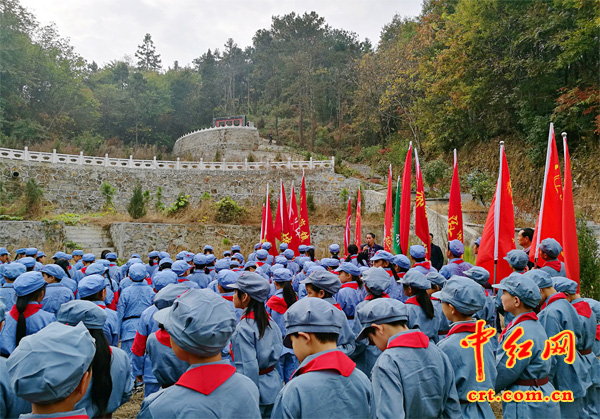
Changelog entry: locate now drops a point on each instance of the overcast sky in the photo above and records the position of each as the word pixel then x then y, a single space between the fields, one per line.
pixel 105 30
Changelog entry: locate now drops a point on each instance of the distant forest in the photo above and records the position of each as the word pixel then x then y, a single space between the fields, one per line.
pixel 462 73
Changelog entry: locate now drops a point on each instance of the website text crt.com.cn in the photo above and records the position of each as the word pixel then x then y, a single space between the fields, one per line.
pixel 529 396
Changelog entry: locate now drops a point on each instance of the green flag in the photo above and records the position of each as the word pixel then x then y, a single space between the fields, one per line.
pixel 396 233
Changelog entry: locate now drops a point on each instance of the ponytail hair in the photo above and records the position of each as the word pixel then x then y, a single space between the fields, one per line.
pixel 289 296
pixel 102 385
pixel 359 281
pixel 21 306
pixel 311 254
pixel 425 302
pixel 260 313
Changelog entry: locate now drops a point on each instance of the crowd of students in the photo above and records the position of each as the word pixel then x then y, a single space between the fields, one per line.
pixel 287 335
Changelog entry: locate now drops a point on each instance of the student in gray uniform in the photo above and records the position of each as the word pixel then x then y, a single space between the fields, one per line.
pixel 200 324
pixel 111 382
pixel 327 382
pixel 52 382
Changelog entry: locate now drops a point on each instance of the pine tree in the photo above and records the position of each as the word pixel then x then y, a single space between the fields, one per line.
pixel 137 204
pixel 147 57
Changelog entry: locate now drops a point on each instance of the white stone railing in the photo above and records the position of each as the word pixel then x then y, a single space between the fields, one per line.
pixel 249 128
pixel 81 160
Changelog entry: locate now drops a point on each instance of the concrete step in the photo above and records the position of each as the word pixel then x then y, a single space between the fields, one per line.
pixel 92 239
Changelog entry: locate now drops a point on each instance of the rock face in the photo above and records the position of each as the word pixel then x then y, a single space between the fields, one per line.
pixel 73 188
pixel 230 143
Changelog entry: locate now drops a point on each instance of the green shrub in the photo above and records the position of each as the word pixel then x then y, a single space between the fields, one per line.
pixel 180 204
pixel 206 196
pixel 71 245
pixel 108 192
pixel 310 203
pixel 344 196
pixel 251 158
pixel 226 241
pixel 33 194
pixel 481 185
pixel 68 218
pixel 589 261
pixel 228 211
pixel 137 204
pixel 437 174
pixel 159 206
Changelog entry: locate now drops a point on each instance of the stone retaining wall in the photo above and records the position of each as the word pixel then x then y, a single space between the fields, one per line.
pixel 71 188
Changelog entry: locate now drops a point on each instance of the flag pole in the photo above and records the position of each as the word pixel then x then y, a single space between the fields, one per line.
pixel 546 171
pixel 497 212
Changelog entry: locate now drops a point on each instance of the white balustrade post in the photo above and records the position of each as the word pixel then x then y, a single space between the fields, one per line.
pixel 80 158
pixel 333 161
pixel 310 164
pixel 201 163
pixel 177 164
pixel 154 165
pixel 25 153
pixel 289 163
pixel 223 164
pixel 246 163
pixel 130 161
pixel 54 158
pixel 268 164
pixel 106 160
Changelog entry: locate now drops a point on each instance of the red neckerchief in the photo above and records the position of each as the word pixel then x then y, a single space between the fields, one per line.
pixel 250 315
pixel 331 361
pixel 115 301
pixel 530 315
pixel 598 332
pixel 352 257
pixel 227 297
pixel 463 327
pixel 138 347
pixel 163 337
pixel 371 296
pixel 555 297
pixel 207 378
pixel 401 274
pixel 277 304
pixel 338 306
pixel 426 265
pixel 458 261
pixel 554 264
pixel 432 298
pixel 30 310
pixel 182 280
pixel 389 271
pixel 259 263
pixel 353 285
pixel 413 301
pixel 583 308
pixel 415 339
pixel 103 307
pixel 83 269
pixel 72 417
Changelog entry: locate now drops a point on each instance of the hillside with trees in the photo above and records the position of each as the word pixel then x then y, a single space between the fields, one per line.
pixel 464 74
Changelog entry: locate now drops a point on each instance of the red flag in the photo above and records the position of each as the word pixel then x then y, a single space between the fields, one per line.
pixel 304 227
pixel 405 203
pixel 498 236
pixel 549 223
pixel 281 212
pixel 269 230
pixel 421 223
pixel 455 221
pixel 389 209
pixel 569 227
pixel 282 222
pixel 347 232
pixel 294 222
pixel 262 224
pixel 357 232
